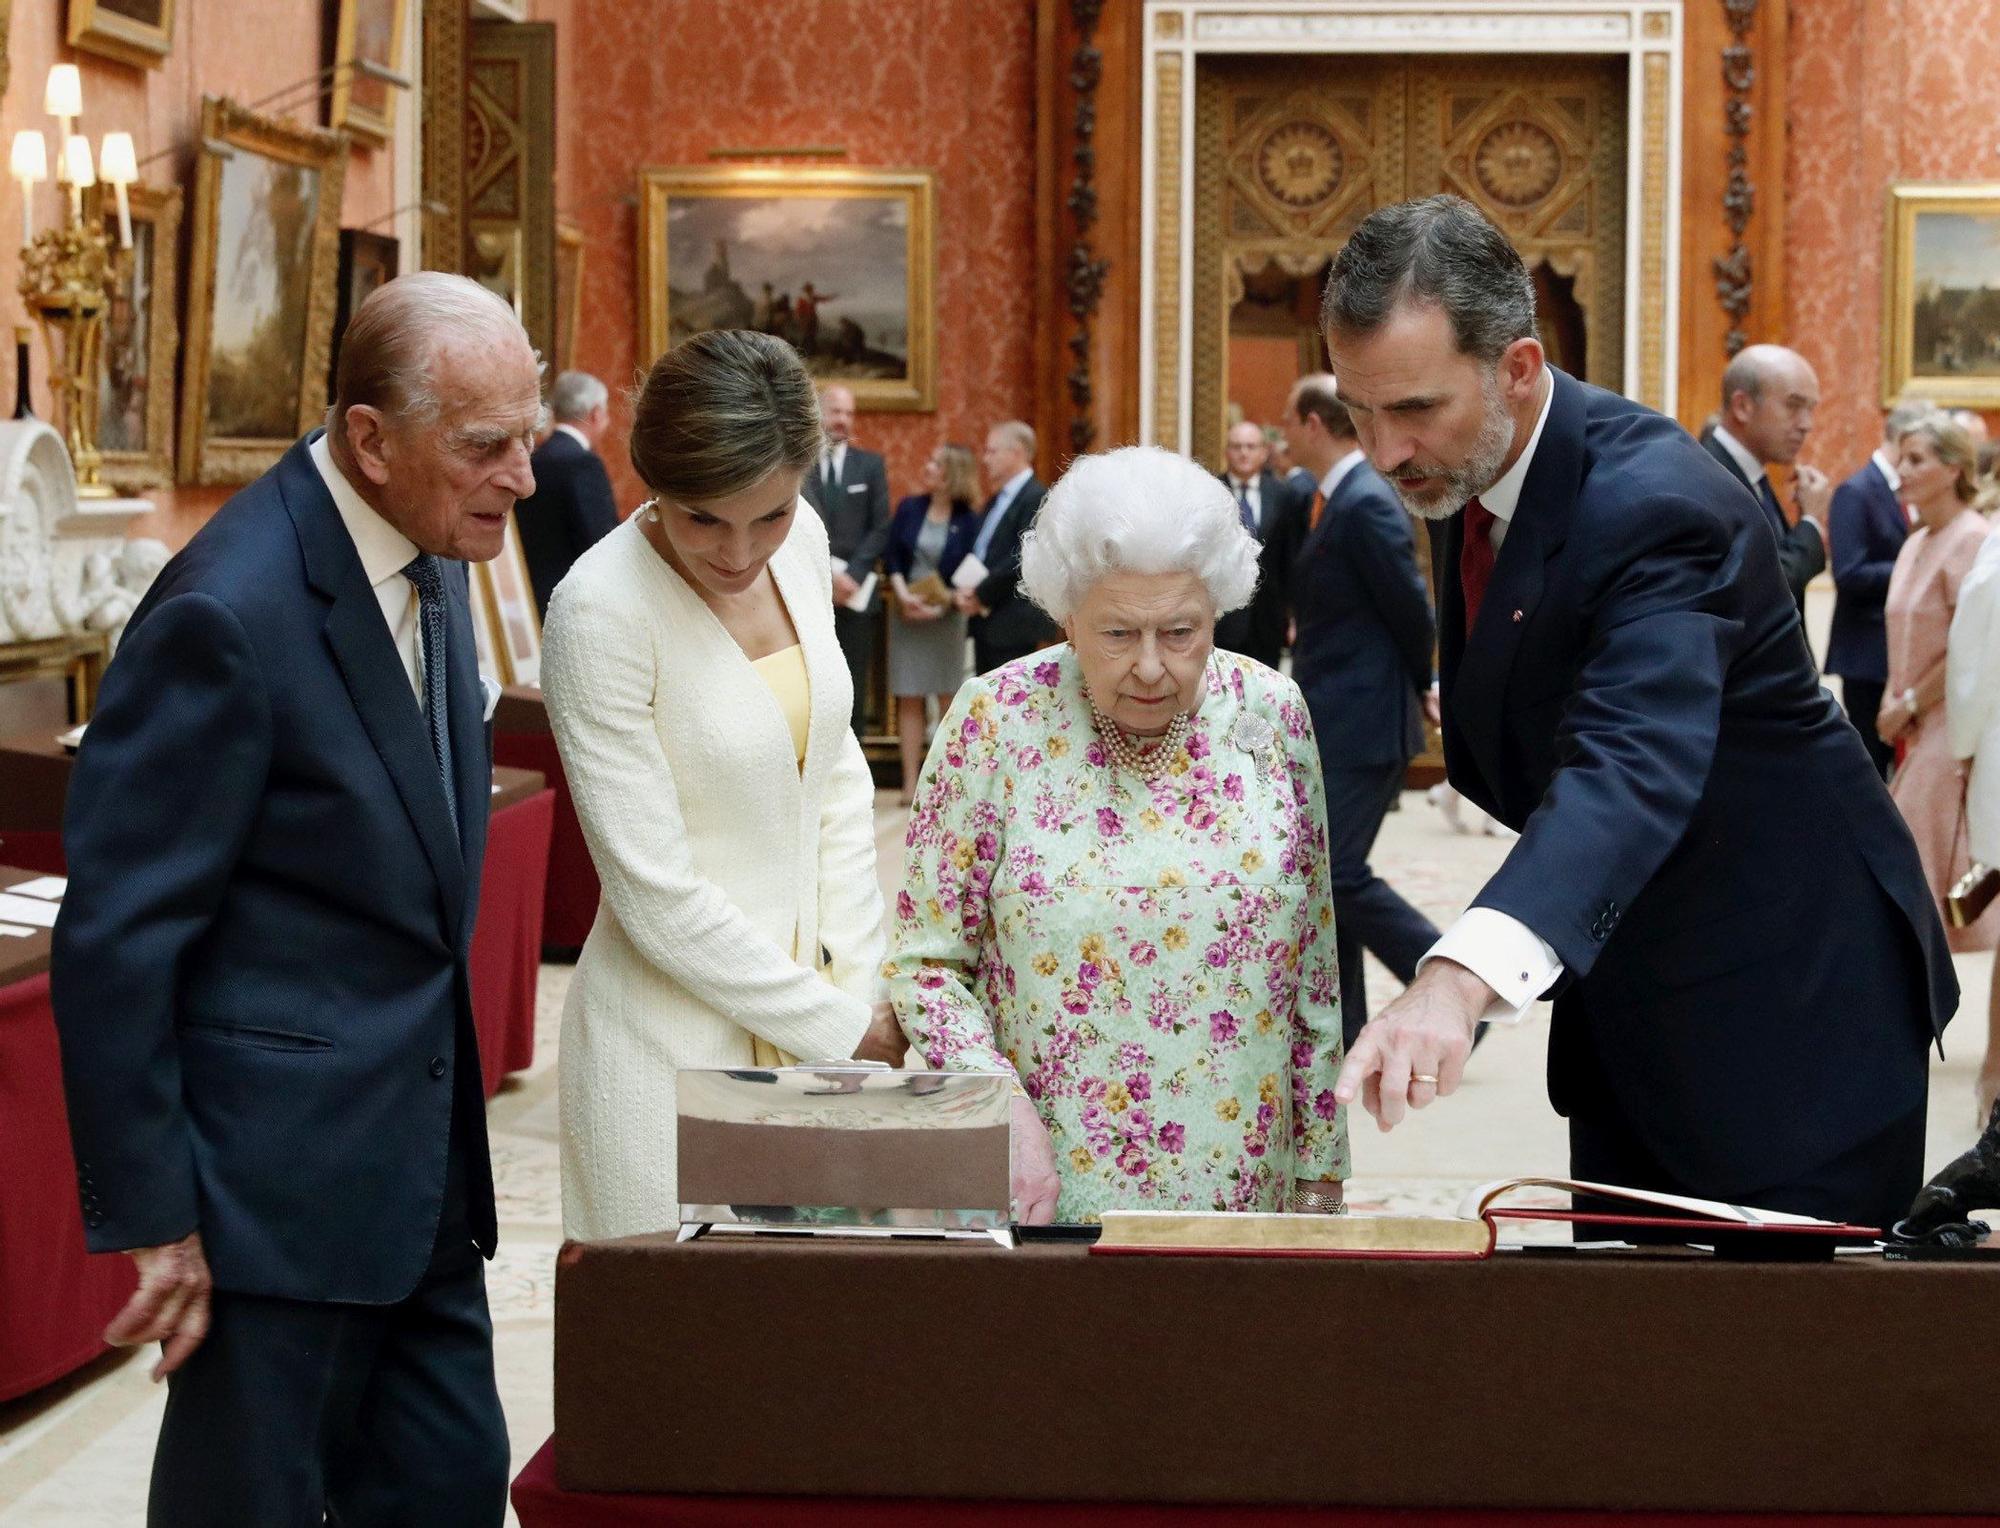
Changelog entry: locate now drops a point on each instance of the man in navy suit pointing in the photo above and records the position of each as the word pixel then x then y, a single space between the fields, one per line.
pixel 1711 880
pixel 275 832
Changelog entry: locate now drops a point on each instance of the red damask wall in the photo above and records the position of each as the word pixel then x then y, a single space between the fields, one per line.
pixel 1878 91
pixel 943 84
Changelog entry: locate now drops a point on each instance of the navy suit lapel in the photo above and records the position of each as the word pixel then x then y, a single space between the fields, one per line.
pixel 373 672
pixel 1485 656
pixel 469 756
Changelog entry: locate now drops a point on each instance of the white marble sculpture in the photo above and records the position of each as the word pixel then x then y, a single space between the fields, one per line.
pixel 65 564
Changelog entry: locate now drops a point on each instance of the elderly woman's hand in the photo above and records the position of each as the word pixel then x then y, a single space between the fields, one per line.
pixel 885 1040
pixel 1034 1157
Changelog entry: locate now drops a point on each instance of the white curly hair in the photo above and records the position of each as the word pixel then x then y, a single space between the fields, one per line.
pixel 1138 509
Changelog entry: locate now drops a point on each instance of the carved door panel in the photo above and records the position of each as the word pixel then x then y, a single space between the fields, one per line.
pixel 1539 146
pixel 510 225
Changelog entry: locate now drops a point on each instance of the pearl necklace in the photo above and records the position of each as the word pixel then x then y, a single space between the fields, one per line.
pixel 1147 763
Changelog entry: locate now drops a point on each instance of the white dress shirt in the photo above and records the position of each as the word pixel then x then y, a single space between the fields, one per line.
pixel 1502 951
pixel 1337 474
pixel 385 552
pixel 574 434
pixel 833 463
pixel 1888 470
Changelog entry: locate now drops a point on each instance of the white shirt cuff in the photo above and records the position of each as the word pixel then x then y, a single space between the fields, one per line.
pixel 1503 952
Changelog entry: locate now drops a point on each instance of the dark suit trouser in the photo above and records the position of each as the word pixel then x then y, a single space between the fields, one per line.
pixel 1367 912
pixel 856 635
pixel 293 1413
pixel 1870 1184
pixel 1862 699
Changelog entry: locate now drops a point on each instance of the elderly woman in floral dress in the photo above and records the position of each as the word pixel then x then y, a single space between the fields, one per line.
pixel 1116 878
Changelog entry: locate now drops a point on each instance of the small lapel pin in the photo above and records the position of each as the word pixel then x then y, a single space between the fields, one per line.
pixel 1517 615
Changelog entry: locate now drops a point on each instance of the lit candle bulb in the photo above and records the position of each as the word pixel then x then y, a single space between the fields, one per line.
pixel 63 98
pixel 118 167
pixel 30 168
pixel 76 164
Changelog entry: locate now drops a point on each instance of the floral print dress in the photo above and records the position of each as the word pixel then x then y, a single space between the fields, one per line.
pixel 1156 962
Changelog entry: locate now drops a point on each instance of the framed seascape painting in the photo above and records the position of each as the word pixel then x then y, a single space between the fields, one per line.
pixel 1941 299
pixel 260 291
pixel 365 31
pixel 840 262
pixel 141 336
pixel 138 32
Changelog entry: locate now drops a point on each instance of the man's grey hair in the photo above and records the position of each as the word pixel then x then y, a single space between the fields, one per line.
pixel 1017 433
pixel 388 356
pixel 575 396
pixel 1906 413
pixel 1138 509
pixel 1441 251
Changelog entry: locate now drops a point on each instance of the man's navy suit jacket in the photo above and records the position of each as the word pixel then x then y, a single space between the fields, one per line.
pixel 1868 528
pixel 1362 653
pixel 1702 836
pixel 571 509
pixel 259 974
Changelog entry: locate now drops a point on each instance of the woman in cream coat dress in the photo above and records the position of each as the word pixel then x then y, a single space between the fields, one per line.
pixel 727 805
pixel 1972 710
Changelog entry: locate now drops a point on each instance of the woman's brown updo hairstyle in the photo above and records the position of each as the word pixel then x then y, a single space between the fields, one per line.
pixel 722 411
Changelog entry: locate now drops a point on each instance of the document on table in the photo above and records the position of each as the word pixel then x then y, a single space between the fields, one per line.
pixel 14 931
pixel 50 887
pixel 28 910
pixel 969 574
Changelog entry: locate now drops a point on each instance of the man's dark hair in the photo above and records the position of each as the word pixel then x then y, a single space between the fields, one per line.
pixel 1438 250
pixel 1315 396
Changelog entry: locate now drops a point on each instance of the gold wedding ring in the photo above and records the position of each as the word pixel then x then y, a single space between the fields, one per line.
pixel 1423 1077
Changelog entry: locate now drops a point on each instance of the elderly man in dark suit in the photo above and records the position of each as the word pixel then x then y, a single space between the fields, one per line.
pixel 275 833
pixel 1869 526
pixel 1271 512
pixel 1005 623
pixel 572 506
pixel 1747 964
pixel 1362 655
pixel 1769 394
pixel 850 489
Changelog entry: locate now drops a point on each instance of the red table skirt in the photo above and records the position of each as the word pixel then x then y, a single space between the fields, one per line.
pixel 507 940
pixel 55 1298
pixel 36 849
pixel 540 1503
pixel 572 896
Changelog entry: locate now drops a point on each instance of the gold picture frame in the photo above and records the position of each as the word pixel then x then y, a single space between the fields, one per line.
pixel 254 371
pixel 570 248
pixel 1941 294
pixel 136 32
pixel 370 30
pixel 505 598
pixel 868 234
pixel 141 339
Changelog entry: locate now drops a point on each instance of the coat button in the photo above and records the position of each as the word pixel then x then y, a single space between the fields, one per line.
pixel 437 1066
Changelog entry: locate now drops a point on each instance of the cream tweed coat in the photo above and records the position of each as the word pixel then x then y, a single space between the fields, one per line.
pixel 740 894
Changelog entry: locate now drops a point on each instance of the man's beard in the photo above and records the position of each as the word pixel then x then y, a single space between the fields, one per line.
pixel 1478 472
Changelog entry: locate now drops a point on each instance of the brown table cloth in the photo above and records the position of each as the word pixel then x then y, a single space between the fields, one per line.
pixel 1532 1381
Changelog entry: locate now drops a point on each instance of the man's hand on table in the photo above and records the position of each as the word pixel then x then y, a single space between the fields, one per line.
pixel 170 1305
pixel 1035 1182
pixel 1414 1050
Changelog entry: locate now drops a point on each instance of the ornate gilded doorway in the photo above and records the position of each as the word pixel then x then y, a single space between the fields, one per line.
pixel 1291 153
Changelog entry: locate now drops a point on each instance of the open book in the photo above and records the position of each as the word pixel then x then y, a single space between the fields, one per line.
pixel 1472 1233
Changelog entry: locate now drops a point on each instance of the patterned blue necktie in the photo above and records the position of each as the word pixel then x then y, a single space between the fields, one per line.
pixel 427 577
pixel 1243 510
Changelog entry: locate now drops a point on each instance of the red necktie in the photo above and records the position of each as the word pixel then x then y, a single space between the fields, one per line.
pixel 1475 559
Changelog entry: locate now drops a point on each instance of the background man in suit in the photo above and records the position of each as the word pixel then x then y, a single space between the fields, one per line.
pixel 1270 512
pixel 1768 397
pixel 572 505
pixel 1362 655
pixel 275 832
pixel 1005 623
pixel 1868 525
pixel 850 489
pixel 1748 966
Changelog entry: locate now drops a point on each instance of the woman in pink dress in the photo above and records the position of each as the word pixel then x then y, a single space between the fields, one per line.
pixel 1939 471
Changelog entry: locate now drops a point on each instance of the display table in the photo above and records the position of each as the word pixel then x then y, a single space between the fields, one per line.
pixel 55 1298
pixel 521 737
pixel 970 1374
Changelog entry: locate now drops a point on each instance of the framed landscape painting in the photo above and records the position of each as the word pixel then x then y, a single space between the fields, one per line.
pixel 138 32
pixel 1941 308
pixel 260 291
pixel 368 31
pixel 141 338
pixel 839 262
